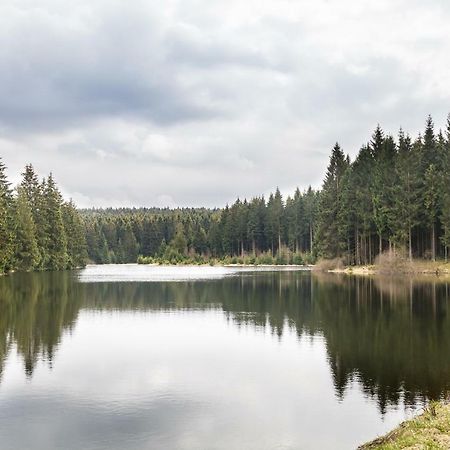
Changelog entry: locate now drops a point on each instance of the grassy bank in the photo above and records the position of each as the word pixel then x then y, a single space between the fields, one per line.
pixel 430 430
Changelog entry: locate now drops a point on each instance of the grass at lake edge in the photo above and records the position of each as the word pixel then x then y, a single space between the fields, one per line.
pixel 430 431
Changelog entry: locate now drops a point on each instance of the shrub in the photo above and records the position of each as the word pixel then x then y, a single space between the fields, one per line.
pixel 393 261
pixel 330 264
pixel 297 259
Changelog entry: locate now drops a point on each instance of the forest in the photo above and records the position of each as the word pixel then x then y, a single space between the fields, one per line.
pixel 38 229
pixel 395 195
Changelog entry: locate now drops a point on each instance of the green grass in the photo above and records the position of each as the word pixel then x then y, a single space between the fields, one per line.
pixel 430 431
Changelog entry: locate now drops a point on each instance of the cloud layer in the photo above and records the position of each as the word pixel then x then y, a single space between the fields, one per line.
pixel 194 102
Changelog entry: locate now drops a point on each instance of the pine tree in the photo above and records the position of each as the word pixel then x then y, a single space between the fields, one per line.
pixel 431 199
pixel 56 248
pixel 329 244
pixel 35 196
pixel 75 236
pixel 362 176
pixel 275 217
pixel 383 180
pixel 255 224
pixel 311 201
pixel 445 186
pixel 7 236
pixel 430 183
pixel 128 245
pixel 27 252
pixel 406 193
pixel 179 242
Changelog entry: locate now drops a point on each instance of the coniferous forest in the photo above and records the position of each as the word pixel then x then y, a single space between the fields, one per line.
pixel 394 195
pixel 38 229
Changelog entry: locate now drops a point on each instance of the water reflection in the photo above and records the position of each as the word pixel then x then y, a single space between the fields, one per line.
pixel 391 336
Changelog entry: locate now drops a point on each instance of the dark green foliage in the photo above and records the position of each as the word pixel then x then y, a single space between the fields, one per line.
pixel 56 247
pixel 37 229
pixel 406 193
pixel 27 252
pixel 395 194
pixel 6 222
pixel 75 235
pixel 254 232
pixel 331 204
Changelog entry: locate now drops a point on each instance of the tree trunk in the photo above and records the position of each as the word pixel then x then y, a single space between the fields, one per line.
pixel 380 248
pixel 310 238
pixel 409 244
pixel 433 242
pixel 358 261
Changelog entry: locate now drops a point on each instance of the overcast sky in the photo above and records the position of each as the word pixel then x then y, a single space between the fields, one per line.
pixel 195 102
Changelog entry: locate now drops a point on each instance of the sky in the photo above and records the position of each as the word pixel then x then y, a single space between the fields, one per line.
pixel 197 102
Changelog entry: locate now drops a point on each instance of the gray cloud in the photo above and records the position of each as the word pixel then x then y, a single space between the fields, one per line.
pixel 195 103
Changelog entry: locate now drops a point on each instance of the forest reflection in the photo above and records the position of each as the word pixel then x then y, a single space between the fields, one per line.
pixel 390 335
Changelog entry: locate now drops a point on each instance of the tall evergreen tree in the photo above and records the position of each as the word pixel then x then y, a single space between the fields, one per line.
pixel 329 244
pixel 406 193
pixel 27 252
pixel 35 195
pixel 7 243
pixel 75 235
pixel 56 248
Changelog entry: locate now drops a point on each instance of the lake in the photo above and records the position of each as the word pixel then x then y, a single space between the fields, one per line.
pixel 141 357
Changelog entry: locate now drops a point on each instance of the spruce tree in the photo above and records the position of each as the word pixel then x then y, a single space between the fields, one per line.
pixel 75 236
pixel 275 217
pixel 329 244
pixel 445 210
pixel 35 195
pixel 406 193
pixel 56 245
pixel 7 236
pixel 179 242
pixel 430 184
pixel 26 248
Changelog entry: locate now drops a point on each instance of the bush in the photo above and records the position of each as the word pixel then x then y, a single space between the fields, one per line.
pixel 264 258
pixel 297 259
pixel 393 261
pixel 330 264
pixel 308 258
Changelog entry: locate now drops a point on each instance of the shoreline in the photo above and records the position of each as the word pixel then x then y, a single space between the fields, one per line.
pixel 244 266
pixel 430 429
pixel 416 269
pixel 411 269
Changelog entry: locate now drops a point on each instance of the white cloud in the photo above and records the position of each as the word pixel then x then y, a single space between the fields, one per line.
pixel 196 102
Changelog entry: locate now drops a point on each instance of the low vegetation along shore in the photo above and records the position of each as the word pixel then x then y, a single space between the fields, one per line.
pixel 387 263
pixel 430 430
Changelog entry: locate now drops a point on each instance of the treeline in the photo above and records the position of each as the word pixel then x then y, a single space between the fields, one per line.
pixel 121 235
pixel 394 195
pixel 38 229
pixel 255 231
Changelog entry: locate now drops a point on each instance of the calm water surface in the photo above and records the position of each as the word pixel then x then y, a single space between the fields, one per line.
pixel 134 357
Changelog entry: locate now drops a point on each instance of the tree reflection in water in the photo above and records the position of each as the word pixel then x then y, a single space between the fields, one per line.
pixel 390 335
